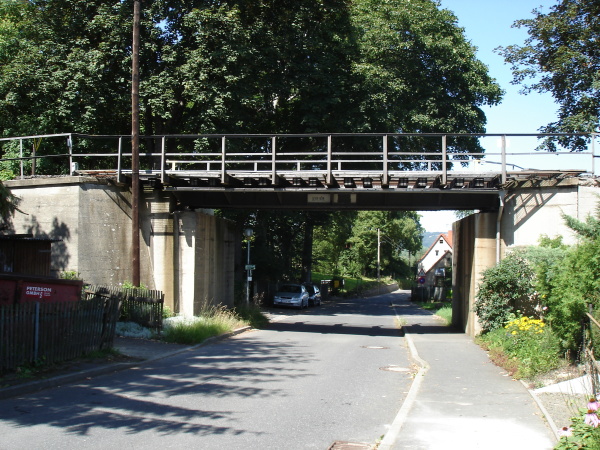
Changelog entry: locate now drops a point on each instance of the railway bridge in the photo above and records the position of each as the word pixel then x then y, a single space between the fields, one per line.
pixel 77 188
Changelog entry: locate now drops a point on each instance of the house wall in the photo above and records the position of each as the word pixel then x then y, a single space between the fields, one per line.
pixel 431 258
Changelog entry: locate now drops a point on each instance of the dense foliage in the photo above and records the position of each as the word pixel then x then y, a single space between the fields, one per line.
pixel 347 245
pixel 290 245
pixel 561 56
pixel 560 282
pixel 239 66
pixel 294 66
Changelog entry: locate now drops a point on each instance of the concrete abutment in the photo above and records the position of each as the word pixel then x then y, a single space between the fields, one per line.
pixel 189 255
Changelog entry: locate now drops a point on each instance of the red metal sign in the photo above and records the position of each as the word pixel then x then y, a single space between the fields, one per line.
pixel 15 289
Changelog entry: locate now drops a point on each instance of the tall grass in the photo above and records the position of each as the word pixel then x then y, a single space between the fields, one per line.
pixel 213 321
pixel 445 312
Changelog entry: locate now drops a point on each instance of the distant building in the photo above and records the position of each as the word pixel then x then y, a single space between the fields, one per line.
pixel 433 265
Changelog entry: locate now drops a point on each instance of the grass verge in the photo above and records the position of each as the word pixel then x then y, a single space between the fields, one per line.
pixel 212 321
pixel 441 309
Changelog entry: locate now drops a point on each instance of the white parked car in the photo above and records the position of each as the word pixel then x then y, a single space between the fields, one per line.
pixel 294 295
pixel 314 295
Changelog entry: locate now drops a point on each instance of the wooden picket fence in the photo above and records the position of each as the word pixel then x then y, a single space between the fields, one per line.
pixel 54 332
pixel 142 306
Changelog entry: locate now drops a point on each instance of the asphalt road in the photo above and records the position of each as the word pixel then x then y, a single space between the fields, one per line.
pixel 338 372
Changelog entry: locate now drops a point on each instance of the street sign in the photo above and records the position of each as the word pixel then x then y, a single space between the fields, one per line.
pixel 421 273
pixel 250 266
pixel 422 280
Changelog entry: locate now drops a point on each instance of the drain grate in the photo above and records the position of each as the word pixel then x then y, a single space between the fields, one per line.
pixel 341 445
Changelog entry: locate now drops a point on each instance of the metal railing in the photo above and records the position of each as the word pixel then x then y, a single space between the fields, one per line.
pixel 322 155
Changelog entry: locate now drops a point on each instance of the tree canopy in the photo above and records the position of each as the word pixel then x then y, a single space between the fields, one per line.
pixel 562 56
pixel 240 66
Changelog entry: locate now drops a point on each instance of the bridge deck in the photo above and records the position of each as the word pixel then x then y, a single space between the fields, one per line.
pixel 361 171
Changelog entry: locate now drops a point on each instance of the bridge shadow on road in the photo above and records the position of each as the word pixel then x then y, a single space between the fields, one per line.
pixel 338 328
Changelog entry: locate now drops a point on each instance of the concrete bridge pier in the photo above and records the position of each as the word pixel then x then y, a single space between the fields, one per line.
pixel 475 241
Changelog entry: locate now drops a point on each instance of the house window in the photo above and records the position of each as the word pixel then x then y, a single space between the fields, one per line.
pixel 437 252
pixel 441 240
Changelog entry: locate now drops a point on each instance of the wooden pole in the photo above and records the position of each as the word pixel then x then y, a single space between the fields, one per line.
pixel 135 146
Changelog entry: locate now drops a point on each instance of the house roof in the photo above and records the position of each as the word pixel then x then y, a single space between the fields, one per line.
pixel 446 236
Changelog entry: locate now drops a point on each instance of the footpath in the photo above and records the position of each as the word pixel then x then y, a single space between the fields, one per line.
pixel 460 399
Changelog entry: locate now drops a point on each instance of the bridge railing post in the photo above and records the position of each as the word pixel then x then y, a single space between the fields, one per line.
pixel 385 177
pixel 223 158
pixel 163 154
pixel 120 159
pixel 444 163
pixel 503 157
pixel 70 150
pixel 21 158
pixel 274 160
pixel 594 137
pixel 329 161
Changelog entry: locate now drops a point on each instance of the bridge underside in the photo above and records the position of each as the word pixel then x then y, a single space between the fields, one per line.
pixel 308 192
pixel 336 199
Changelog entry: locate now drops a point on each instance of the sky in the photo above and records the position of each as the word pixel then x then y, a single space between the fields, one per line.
pixel 487 25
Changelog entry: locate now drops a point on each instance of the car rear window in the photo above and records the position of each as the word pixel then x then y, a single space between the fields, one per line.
pixel 290 288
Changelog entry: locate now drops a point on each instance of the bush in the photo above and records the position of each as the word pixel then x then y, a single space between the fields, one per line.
pixel 505 287
pixel 525 347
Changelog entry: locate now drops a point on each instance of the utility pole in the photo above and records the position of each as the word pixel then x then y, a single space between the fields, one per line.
pixel 135 146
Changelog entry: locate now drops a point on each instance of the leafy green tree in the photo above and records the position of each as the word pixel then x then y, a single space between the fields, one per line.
pixel 418 73
pixel 330 240
pixel 299 66
pixel 247 67
pixel 347 245
pixel 64 66
pixel 560 56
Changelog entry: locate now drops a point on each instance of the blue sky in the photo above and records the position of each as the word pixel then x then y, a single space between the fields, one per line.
pixel 487 25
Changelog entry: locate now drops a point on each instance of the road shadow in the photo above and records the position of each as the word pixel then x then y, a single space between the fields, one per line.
pixel 339 328
pixel 133 401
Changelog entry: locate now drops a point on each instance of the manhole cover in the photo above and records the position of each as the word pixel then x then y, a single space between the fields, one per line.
pixel 395 369
pixel 376 347
pixel 340 445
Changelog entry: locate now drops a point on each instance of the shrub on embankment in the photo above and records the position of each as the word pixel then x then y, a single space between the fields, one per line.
pixel 554 283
